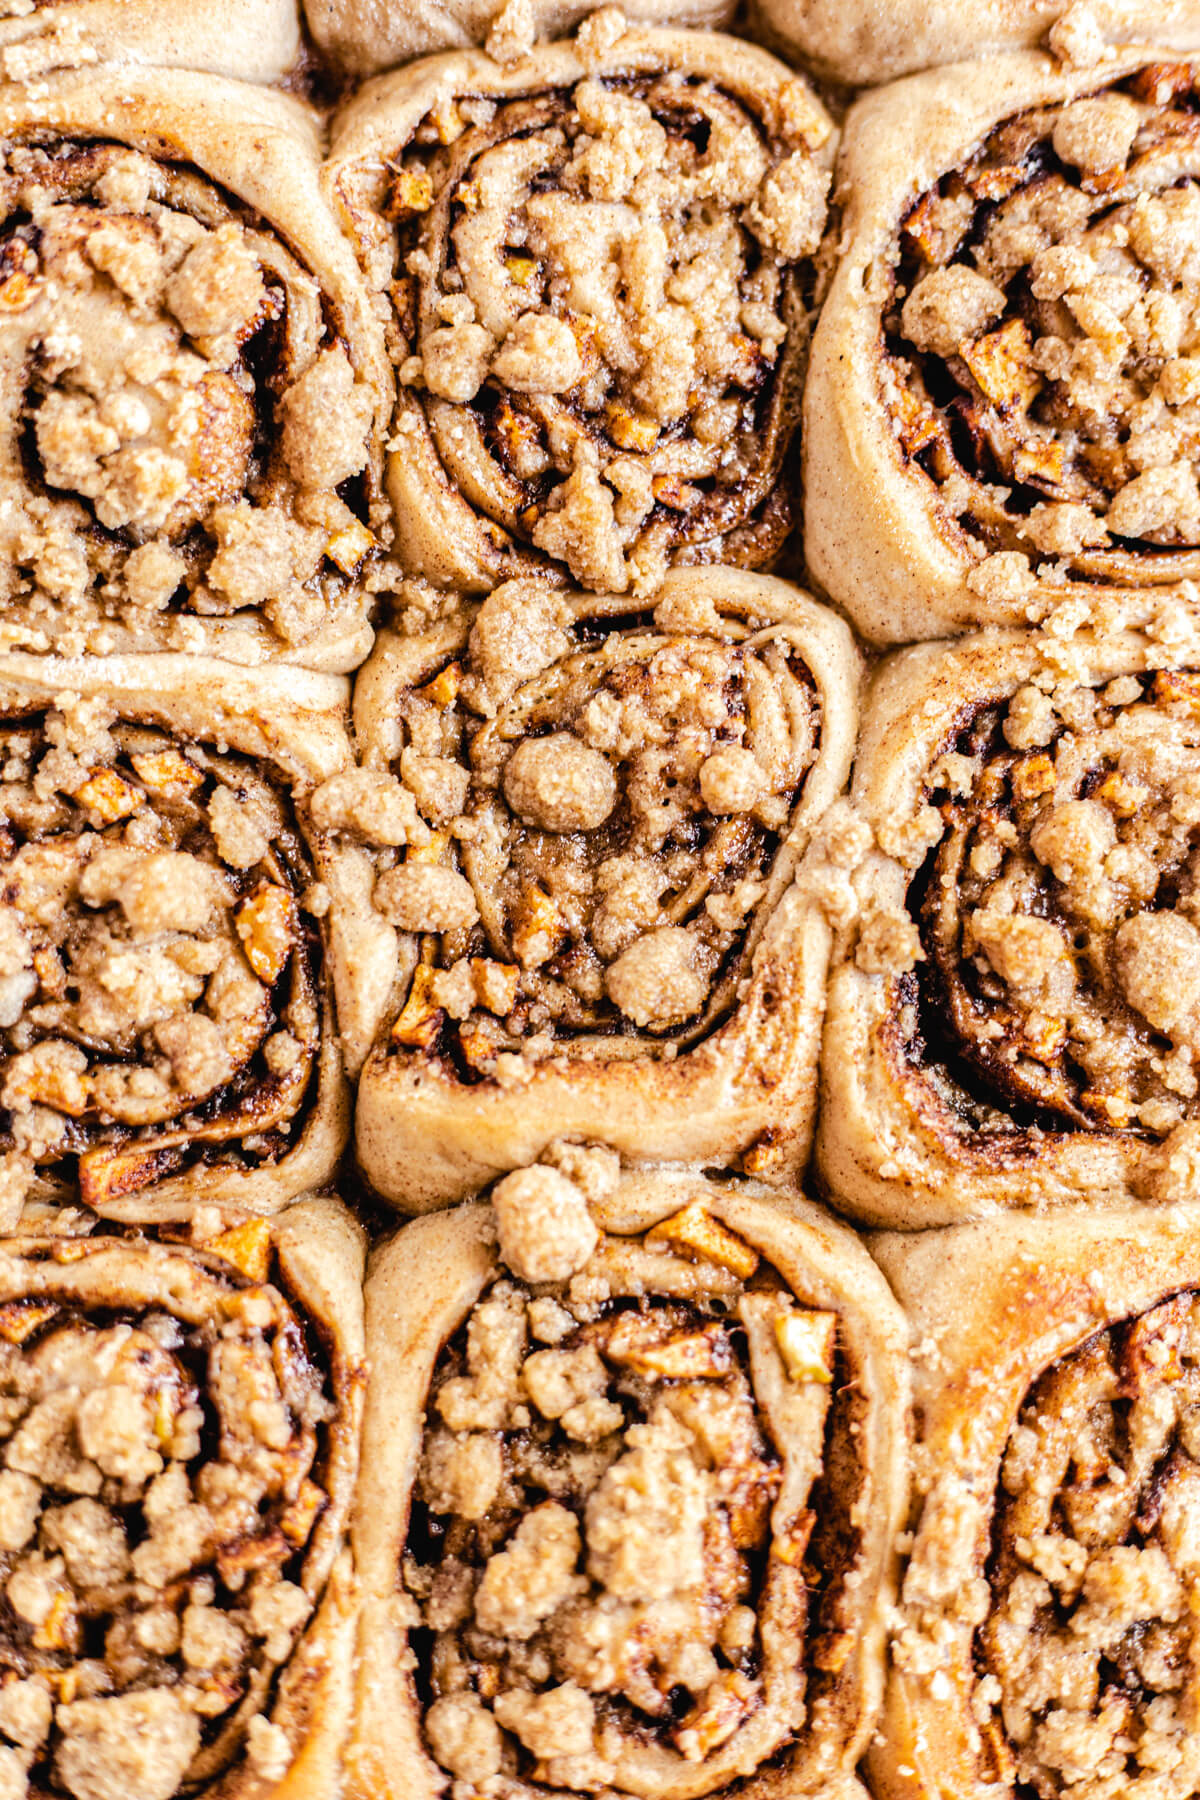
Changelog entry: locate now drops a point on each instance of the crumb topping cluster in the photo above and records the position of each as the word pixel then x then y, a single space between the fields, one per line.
pixel 157 989
pixel 594 811
pixel 612 1555
pixel 1042 342
pixel 1087 1661
pixel 183 435
pixel 601 305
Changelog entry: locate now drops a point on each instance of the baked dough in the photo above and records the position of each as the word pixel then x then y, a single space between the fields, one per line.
pixel 1002 392
pixel 366 39
pixel 193 381
pixel 1009 1020
pixel 869 41
pixel 672 1532
pixel 598 269
pixel 180 1451
pixel 168 994
pixel 1043 1642
pixel 257 40
pixel 601 930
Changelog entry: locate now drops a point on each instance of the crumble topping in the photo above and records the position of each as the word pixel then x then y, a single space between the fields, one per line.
pixel 160 1481
pixel 1087 1660
pixel 186 434
pixel 618 816
pixel 614 1544
pixel 600 302
pixel 1041 341
pixel 1059 912
pixel 157 985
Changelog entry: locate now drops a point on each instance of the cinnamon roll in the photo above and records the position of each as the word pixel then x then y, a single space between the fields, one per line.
pixel 1003 395
pixel 177 1460
pixel 258 40
pixel 174 928
pixel 629 1527
pixel 1011 1019
pixel 192 377
pixel 598 266
pixel 864 43
pixel 361 41
pixel 1045 1642
pixel 599 921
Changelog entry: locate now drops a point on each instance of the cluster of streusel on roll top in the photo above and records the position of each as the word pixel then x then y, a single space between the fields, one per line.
pixel 599 900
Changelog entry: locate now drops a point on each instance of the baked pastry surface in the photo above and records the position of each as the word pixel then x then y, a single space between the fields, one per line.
pixel 1008 1022
pixel 600 929
pixel 581 1522
pixel 598 265
pixel 999 398
pixel 255 40
pixel 193 378
pixel 1043 1639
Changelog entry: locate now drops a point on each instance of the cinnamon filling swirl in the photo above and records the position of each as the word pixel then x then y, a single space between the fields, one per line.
pixel 1041 342
pixel 602 293
pixel 183 429
pixel 158 988
pixel 1088 1661
pixel 626 1547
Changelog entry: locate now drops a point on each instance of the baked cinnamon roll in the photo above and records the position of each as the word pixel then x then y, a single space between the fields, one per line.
pixel 177 1460
pixel 1045 1638
pixel 358 41
pixel 861 44
pixel 597 266
pixel 627 1526
pixel 1011 1019
pixel 1003 394
pixel 192 378
pixel 258 40
pixel 599 923
pixel 174 928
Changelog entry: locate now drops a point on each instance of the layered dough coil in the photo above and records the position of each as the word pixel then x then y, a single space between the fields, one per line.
pixel 1002 404
pixel 600 925
pixel 597 266
pixel 256 40
pixel 869 41
pixel 176 927
pixel 626 1528
pixel 178 1451
pixel 1011 1019
pixel 1046 1637
pixel 193 381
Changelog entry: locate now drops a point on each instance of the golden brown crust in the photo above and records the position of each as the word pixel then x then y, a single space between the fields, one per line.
pixel 1002 301
pixel 1008 1317
pixel 224 1658
pixel 989 1039
pixel 157 821
pixel 628 953
pixel 204 381
pixel 427 1281
pixel 559 411
pixel 255 40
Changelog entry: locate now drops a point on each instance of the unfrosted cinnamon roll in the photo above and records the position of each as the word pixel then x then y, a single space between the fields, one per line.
pixel 1012 1019
pixel 598 266
pixel 258 40
pixel 867 41
pixel 191 375
pixel 177 1458
pixel 173 931
pixel 1046 1638
pixel 630 1528
pixel 359 40
pixel 1003 394
pixel 599 924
